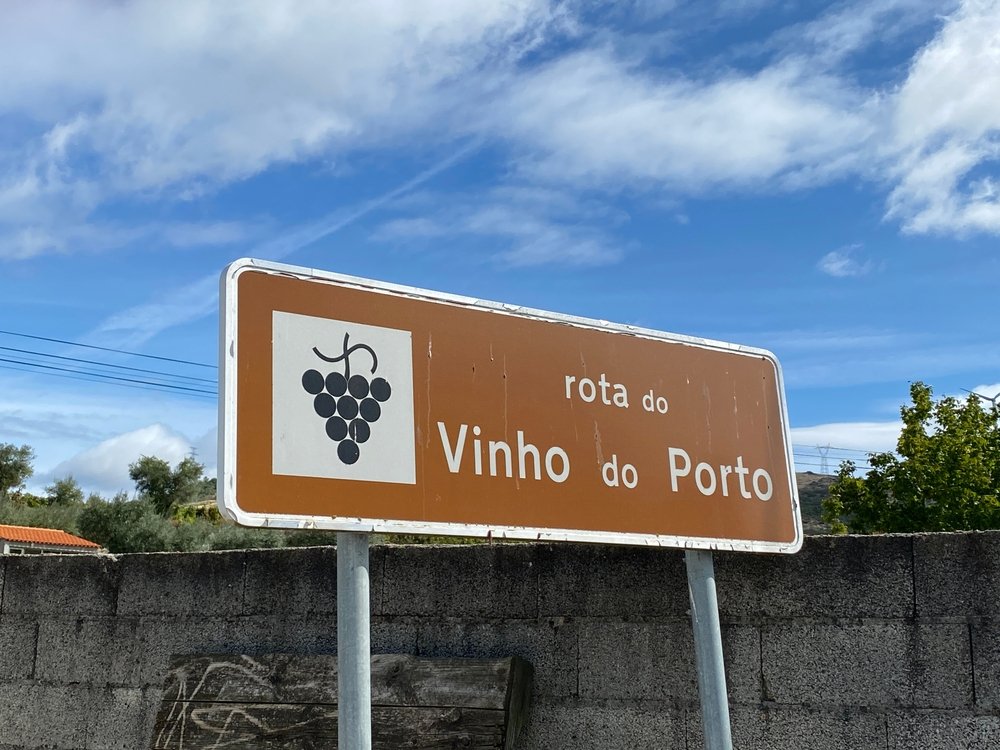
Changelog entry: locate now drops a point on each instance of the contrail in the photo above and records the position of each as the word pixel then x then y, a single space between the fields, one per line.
pixel 137 325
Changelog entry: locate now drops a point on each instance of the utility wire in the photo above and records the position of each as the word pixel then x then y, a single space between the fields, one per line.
pixel 86 379
pixel 211 381
pixel 109 377
pixel 108 349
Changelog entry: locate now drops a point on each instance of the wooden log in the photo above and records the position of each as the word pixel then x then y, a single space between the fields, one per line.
pixel 282 726
pixel 290 702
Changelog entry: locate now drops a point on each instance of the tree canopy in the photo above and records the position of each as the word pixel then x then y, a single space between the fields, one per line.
pixel 15 468
pixel 65 491
pixel 166 488
pixel 944 475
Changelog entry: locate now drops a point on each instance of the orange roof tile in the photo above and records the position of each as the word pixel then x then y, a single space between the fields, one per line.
pixel 44 536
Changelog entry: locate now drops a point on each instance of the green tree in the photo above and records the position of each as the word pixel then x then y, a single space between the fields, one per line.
pixel 165 487
pixel 124 525
pixel 64 491
pixel 15 468
pixel 944 475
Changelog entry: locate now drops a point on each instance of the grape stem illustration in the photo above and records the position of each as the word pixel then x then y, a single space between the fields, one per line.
pixel 347 355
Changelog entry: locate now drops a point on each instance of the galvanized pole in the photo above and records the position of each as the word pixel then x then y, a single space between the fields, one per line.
pixel 354 679
pixel 708 650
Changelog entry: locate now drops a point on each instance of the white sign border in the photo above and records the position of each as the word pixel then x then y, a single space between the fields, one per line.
pixel 227 490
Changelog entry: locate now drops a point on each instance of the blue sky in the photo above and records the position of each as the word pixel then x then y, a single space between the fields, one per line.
pixel 818 180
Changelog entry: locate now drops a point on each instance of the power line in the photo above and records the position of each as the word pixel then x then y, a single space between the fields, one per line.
pixel 108 349
pixel 108 364
pixel 86 379
pixel 105 376
pixel 833 448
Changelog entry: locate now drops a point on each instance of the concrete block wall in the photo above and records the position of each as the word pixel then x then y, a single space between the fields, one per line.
pixel 857 642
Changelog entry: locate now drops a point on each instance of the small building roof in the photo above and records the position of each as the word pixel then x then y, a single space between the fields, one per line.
pixel 53 537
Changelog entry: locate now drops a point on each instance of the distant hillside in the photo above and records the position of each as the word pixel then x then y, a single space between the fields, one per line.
pixel 812 489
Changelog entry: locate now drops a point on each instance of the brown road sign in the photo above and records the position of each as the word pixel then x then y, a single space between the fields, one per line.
pixel 356 405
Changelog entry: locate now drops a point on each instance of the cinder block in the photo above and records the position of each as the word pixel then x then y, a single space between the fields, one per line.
pixel 636 661
pixel 794 728
pixel 162 637
pixel 33 715
pixel 159 638
pixel 205 584
pixel 551 647
pixel 18 638
pixel 656 661
pixel 594 580
pixel 846 577
pixel 498 581
pixel 61 585
pixel 100 651
pixel 957 575
pixel 121 719
pixel 295 581
pixel 943 731
pixel 986 660
pixel 877 664
pixel 581 726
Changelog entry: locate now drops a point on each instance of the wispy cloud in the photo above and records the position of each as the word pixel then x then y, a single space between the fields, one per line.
pixel 138 324
pixel 523 226
pixel 844 263
pixel 213 94
pixel 595 119
pixel 63 238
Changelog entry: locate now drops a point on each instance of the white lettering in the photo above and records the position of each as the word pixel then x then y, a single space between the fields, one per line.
pixel 499 446
pixel 621 396
pixel 550 455
pixel 609 472
pixel 742 471
pixel 725 471
pixel 477 451
pixel 762 494
pixel 709 479
pixel 700 469
pixel 452 455
pixel 524 449
pixel 629 469
pixel 570 379
pixel 675 470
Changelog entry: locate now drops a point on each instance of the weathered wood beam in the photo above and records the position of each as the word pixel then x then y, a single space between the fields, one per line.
pixel 288 702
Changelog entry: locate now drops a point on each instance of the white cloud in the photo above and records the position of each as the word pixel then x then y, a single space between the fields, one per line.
pixel 104 468
pixel 60 418
pixel 592 118
pixel 867 437
pixel 843 263
pixel 56 237
pixel 183 96
pixel 946 126
pixel 530 225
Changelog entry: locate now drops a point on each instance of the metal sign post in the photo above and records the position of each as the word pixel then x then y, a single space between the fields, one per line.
pixel 708 650
pixel 354 710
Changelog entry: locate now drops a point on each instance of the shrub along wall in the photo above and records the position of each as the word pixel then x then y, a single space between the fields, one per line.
pixel 856 642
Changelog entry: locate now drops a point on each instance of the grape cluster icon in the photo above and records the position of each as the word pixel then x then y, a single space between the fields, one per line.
pixel 350 404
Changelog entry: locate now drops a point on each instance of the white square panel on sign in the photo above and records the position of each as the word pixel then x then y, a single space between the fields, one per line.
pixel 342 400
